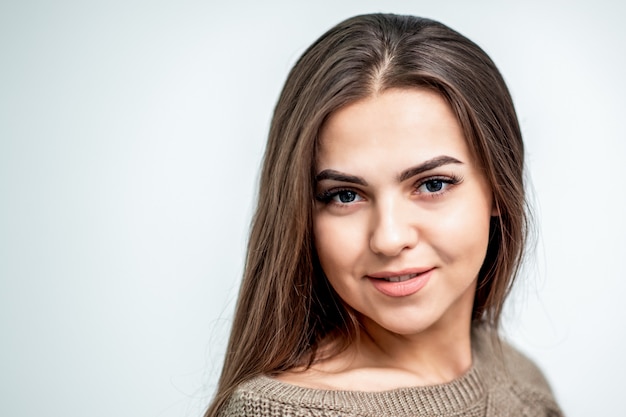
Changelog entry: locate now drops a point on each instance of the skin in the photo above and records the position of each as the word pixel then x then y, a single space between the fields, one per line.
pixel 376 216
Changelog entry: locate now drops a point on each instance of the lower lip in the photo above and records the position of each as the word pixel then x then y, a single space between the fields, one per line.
pixel 403 288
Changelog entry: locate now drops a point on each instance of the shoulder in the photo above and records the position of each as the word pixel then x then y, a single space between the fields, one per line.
pixel 263 396
pixel 515 378
pixel 523 370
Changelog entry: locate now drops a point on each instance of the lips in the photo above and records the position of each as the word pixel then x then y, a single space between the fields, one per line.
pixel 399 278
pixel 401 283
pixel 401 275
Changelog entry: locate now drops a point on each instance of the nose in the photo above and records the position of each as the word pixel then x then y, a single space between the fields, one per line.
pixel 394 228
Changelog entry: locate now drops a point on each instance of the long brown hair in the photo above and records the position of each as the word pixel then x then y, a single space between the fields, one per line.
pixel 286 306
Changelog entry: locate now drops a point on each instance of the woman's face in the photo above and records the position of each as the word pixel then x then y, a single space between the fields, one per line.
pixel 401 218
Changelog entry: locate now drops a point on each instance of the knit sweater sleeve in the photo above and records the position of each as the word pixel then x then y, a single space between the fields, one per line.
pixel 524 370
pixel 528 384
pixel 248 404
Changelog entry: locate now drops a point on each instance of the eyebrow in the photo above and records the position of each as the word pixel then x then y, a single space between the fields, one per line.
pixel 427 166
pixel 331 174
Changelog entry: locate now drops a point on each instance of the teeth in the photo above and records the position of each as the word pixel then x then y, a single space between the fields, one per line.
pixel 400 278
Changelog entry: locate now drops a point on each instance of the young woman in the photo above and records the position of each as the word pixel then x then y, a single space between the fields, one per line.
pixel 389 230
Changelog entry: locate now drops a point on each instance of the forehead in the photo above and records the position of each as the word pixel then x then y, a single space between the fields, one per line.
pixel 402 126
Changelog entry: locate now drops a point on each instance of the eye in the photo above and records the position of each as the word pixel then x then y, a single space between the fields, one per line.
pixel 346 196
pixel 435 186
pixel 339 197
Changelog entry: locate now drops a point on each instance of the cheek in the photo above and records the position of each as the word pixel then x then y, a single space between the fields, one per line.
pixel 463 235
pixel 338 245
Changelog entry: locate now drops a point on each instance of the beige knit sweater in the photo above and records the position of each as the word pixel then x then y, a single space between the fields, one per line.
pixel 501 382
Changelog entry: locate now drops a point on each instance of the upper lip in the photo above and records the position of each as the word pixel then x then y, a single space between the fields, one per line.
pixel 390 274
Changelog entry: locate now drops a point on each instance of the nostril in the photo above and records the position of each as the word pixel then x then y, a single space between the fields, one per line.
pixel 390 241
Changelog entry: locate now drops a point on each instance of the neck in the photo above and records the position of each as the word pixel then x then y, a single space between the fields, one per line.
pixel 436 355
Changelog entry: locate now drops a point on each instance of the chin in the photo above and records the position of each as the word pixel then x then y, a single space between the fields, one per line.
pixel 400 325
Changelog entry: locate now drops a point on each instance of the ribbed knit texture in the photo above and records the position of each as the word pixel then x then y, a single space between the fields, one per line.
pixel 500 383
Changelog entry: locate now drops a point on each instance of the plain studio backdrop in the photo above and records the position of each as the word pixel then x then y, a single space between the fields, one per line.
pixel 131 134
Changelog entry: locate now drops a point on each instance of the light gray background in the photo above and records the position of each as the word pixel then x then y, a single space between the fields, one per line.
pixel 131 134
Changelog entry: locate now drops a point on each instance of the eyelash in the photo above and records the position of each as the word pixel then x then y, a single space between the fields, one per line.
pixel 327 196
pixel 449 181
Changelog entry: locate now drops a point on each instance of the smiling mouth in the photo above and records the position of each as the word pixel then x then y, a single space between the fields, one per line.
pixel 400 278
pixel 401 283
